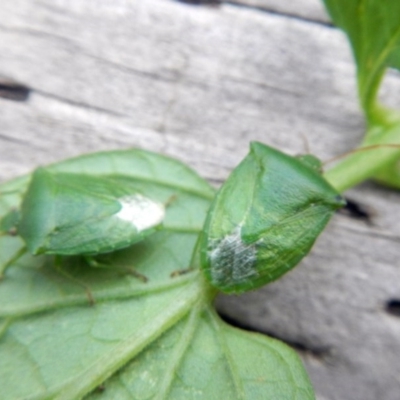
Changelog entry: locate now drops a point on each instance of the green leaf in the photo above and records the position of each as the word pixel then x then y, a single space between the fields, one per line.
pixel 160 339
pixel 373 28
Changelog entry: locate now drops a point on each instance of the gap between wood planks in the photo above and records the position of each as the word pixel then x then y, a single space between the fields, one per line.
pixel 265 9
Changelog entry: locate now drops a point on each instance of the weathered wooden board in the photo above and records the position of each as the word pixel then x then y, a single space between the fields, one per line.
pixel 199 83
pixel 176 70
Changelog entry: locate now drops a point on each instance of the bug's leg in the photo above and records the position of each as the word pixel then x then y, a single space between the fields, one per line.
pixel 129 270
pixel 170 200
pixel 180 272
pixel 11 261
pixel 12 231
pixel 4 326
pixel 3 233
pixel 91 261
pixel 136 274
pixel 9 222
pixel 61 270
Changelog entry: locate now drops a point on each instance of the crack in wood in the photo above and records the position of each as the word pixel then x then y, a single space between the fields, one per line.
pixel 201 2
pixel 271 11
pixel 393 307
pixel 13 91
pixel 260 8
pixel 320 352
pixel 80 104
pixel 357 210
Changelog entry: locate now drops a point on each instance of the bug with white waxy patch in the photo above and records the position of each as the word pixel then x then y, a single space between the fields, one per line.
pixel 70 214
pixel 67 214
pixel 264 219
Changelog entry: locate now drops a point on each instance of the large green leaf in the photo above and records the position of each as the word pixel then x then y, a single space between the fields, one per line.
pixel 154 340
pixel 232 365
pixel 373 28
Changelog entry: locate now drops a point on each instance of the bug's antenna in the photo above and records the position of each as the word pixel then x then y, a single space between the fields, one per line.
pixel 366 148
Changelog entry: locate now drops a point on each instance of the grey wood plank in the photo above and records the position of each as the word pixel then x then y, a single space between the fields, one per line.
pixel 199 83
pixel 200 70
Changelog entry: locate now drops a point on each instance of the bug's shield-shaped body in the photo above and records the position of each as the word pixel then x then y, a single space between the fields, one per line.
pixel 71 214
pixel 264 220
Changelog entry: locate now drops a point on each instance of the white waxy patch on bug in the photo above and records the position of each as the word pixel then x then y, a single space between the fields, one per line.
pixel 141 211
pixel 231 260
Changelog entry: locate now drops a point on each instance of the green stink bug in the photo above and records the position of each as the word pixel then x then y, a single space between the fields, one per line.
pixel 264 219
pixel 69 214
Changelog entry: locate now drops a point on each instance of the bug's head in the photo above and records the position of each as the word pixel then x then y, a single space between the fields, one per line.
pixel 311 162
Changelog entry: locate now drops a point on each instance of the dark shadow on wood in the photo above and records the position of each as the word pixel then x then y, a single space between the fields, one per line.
pixel 13 91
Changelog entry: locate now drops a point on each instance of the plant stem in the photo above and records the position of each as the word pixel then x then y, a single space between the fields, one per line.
pixel 365 164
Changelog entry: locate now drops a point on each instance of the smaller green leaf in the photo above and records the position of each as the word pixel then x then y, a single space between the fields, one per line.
pixel 71 214
pixel 373 29
pixel 264 220
pixel 155 340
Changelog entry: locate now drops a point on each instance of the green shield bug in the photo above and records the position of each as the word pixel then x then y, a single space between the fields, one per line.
pixel 78 214
pixel 264 219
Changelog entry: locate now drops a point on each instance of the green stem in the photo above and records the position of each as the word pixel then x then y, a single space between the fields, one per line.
pixel 360 166
pixel 368 86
